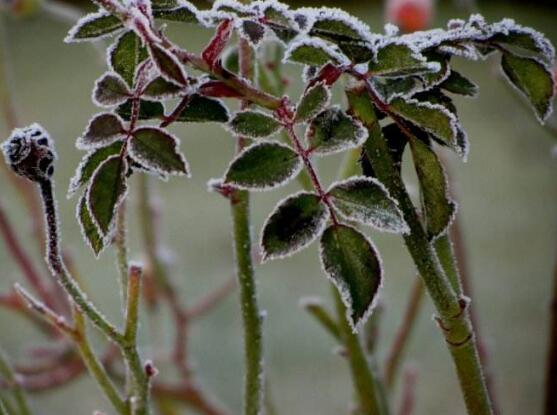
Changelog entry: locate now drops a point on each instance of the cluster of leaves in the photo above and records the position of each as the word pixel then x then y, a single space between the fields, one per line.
pixel 407 80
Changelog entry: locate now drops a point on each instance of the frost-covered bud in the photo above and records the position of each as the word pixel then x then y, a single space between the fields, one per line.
pixel 410 15
pixel 30 153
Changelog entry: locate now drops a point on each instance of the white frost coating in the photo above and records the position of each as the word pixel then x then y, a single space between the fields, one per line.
pixel 463 145
pixel 108 236
pixel 229 128
pixel 88 18
pixel 83 144
pixel 162 70
pixel 255 43
pixel 375 220
pixel 115 102
pixel 391 30
pixel 304 242
pixel 345 292
pixel 82 228
pixel 466 51
pixel 291 174
pixel 150 164
pixel 317 43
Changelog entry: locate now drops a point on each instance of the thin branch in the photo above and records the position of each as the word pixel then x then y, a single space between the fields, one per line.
pixel 408 392
pixel 7 373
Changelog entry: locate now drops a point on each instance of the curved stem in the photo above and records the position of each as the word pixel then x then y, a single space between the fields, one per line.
pixel 10 377
pixel 452 310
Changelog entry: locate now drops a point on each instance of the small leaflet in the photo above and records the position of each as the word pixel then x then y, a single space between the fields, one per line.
pixel 313 52
pixel 254 124
pixel 94 26
pixel 314 100
pixel 110 90
pixel 102 130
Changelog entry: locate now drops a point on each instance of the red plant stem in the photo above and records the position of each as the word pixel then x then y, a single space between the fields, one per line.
pixel 550 405
pixel 23 260
pixel 408 392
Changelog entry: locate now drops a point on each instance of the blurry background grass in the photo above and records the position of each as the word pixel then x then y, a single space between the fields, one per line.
pixel 508 206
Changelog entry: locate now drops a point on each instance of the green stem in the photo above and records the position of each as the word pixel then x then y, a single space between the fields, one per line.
pixel 121 247
pixel 95 366
pixel 6 371
pixel 452 309
pixel 445 252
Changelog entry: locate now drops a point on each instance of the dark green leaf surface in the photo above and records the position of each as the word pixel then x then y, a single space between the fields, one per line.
pixel 294 224
pixel 110 90
pixel 126 55
pixel 168 65
pixel 397 60
pixel 312 103
pixel 102 130
pixel 333 131
pixel 533 79
pixel 94 26
pixel 88 228
pixel 203 109
pixel 161 89
pixel 157 150
pixel 148 110
pixel 107 189
pixel 183 14
pixel 439 209
pixel 254 124
pixel 458 84
pixel 353 265
pixel 311 53
pixel 89 164
pixel 263 166
pixel 365 200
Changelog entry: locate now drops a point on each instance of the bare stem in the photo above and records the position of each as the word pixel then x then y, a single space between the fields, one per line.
pixel 7 373
pixel 120 243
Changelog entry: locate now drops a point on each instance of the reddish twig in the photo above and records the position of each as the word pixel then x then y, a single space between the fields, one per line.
pixel 408 392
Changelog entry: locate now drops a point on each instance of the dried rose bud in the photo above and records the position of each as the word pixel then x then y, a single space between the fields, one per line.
pixel 30 153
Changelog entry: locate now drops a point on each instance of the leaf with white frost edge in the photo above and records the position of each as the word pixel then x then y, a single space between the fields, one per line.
pixel 159 89
pixel 254 124
pixel 89 164
pixel 204 109
pixel 250 30
pixel 533 79
pixel 352 263
pixel 94 26
pixel 399 60
pixel 158 150
pixel 263 166
pixel 125 55
pixel 102 130
pixel 89 230
pixel 168 65
pixel 106 191
pixel 367 201
pixel 314 100
pixel 313 52
pixel 333 131
pixel 458 84
pixel 110 90
pixel 295 223
pixel 439 208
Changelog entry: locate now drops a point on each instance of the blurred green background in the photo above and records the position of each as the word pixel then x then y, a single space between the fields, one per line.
pixel 508 208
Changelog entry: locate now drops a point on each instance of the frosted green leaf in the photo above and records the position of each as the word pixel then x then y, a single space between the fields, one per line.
pixel 184 13
pixel 294 224
pixel 333 131
pixel 254 124
pixel 432 118
pixel 534 79
pixel 398 60
pixel 110 90
pixel 439 209
pixel 94 26
pixel 203 109
pixel 367 201
pixel 103 129
pixel 148 110
pixel 126 55
pixel 88 228
pixel 164 4
pixel 157 150
pixel 168 65
pixel 89 164
pixel 161 89
pixel 263 166
pixel 278 20
pixel 312 52
pixel 458 84
pixel 107 189
pixel 313 102
pixel 353 265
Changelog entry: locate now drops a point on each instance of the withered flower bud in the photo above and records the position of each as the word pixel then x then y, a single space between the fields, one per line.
pixel 29 151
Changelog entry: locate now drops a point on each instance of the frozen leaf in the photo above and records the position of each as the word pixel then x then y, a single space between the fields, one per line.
pixel 534 79
pixel 314 100
pixel 398 60
pixel 353 265
pixel 232 8
pixel 168 65
pixel 439 209
pixel 89 164
pixel 391 88
pixel 183 12
pixel 458 84
pixel 521 38
pixel 263 166
pixel 432 118
pixel 161 89
pixel 279 20
pixel 397 140
pixel 158 151
pixel 103 129
pixel 252 31
pixel 164 4
pixel 365 200
pixel 333 131
pixel 148 110
pixel 313 52
pixel 294 224
pixel 431 79
pixel 254 124
pixel 110 90
pixel 107 189
pixel 203 109
pixel 94 26
pixel 89 230
pixel 126 55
